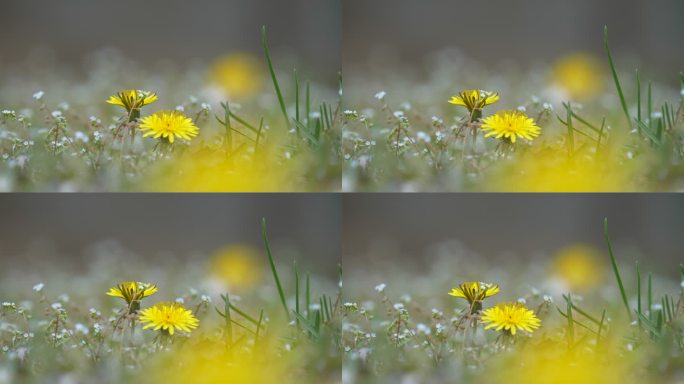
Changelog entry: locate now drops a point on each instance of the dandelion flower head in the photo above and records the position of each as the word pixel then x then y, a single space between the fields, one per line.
pixel 168 125
pixel 475 291
pixel 132 291
pixel 168 317
pixel 474 99
pixel 133 99
pixel 510 125
pixel 510 317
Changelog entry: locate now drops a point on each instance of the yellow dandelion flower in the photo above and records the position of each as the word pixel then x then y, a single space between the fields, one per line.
pixel 510 125
pixel 133 99
pixel 475 291
pixel 168 125
pixel 132 291
pixel 168 317
pixel 474 99
pixel 510 317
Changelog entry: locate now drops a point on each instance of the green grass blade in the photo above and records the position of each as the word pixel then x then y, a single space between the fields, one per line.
pixel 600 136
pixel 600 328
pixel 653 328
pixel 668 116
pixel 308 295
pixel 258 136
pixel 580 311
pixel 649 106
pixel 571 136
pixel 571 322
pixel 243 314
pixel 229 326
pixel 258 326
pixel 638 281
pixel 638 83
pixel 273 268
pixel 649 134
pixel 615 269
pixel 243 122
pixel 296 80
pixel 575 321
pixel 312 138
pixel 650 296
pixel 296 272
pixel 615 76
pixel 311 328
pixel 308 106
pixel 229 133
pixel 279 94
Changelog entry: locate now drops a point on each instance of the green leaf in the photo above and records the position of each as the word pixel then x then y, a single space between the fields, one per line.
pixel 273 268
pixel 616 271
pixel 279 94
pixel 615 76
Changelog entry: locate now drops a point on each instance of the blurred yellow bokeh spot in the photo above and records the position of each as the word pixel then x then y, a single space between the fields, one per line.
pixel 579 75
pixel 552 363
pixel 209 170
pixel 237 266
pixel 580 266
pixel 238 75
pixel 551 170
pixel 210 362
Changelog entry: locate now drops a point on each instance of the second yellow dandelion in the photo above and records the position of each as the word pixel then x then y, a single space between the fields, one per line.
pixel 474 99
pixel 168 125
pixel 510 317
pixel 510 126
pixel 132 100
pixel 168 317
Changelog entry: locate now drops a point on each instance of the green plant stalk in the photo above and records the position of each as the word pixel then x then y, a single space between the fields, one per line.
pixel 229 323
pixel 229 131
pixel 279 286
pixel 296 80
pixel 650 296
pixel 279 94
pixel 638 281
pixel 308 296
pixel 571 136
pixel 571 323
pixel 638 82
pixel 623 103
pixel 616 271
pixel 296 272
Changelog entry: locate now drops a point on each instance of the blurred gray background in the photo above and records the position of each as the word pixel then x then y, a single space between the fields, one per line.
pixel 525 31
pixel 648 226
pixel 176 30
pixel 62 227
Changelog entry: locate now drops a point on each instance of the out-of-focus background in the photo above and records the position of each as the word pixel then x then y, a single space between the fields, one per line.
pixel 404 229
pixel 403 32
pixel 68 229
pixel 178 31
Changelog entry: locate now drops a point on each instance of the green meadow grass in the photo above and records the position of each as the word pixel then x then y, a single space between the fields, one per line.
pixel 400 134
pixel 68 329
pixel 68 139
pixel 401 326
